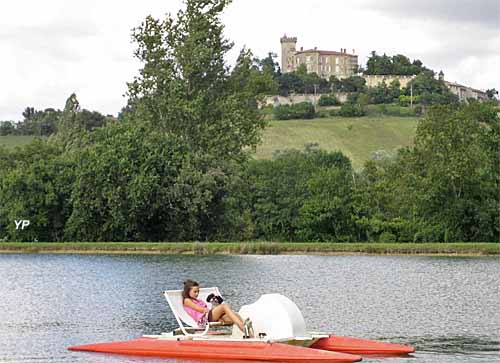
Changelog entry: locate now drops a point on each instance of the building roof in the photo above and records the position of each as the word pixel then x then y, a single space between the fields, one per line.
pixel 324 52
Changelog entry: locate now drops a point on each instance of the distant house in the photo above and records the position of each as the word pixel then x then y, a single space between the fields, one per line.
pixel 324 63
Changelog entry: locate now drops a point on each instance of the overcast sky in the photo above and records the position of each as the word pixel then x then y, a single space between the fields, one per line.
pixel 50 49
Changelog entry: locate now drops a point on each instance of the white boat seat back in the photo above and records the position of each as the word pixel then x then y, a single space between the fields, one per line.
pixel 277 316
pixel 175 301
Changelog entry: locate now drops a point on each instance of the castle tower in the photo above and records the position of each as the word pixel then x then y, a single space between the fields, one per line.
pixel 441 76
pixel 288 45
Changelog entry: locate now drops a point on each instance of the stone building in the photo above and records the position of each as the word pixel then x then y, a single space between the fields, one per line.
pixel 463 92
pixel 324 63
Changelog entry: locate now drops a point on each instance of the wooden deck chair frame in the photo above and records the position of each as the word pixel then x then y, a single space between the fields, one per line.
pixel 174 299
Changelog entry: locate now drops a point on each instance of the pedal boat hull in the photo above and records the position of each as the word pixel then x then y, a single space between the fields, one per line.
pixel 361 346
pixel 206 349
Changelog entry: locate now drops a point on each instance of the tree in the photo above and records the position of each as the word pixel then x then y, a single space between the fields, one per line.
pixel 396 65
pixel 136 184
pixel 247 78
pixel 35 184
pixel 459 184
pixel 269 65
pixel 353 84
pixel 7 128
pixel 430 90
pixel 278 188
pixel 184 87
pixel 327 214
pixel 71 133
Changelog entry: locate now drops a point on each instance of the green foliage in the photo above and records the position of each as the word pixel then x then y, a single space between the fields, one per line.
pixel 395 65
pixel 7 128
pixel 326 214
pixel 302 82
pixel 354 84
pixel 407 100
pixel 35 184
pixel 328 100
pixel 430 91
pixel 302 110
pixel 351 110
pixel 279 188
pixel 445 188
pixel 185 88
pixel 384 94
pixel 134 184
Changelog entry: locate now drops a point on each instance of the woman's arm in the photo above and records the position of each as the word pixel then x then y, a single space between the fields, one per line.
pixel 192 305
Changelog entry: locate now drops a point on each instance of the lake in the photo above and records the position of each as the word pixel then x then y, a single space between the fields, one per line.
pixel 446 307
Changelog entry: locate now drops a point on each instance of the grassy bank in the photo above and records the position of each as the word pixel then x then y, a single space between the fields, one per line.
pixel 358 138
pixel 255 248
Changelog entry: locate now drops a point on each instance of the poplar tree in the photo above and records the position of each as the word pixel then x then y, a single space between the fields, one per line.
pixel 185 87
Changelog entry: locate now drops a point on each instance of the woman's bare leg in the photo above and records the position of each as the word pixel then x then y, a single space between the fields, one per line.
pixel 225 312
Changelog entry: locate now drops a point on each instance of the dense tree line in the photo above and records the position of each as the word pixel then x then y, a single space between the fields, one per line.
pixel 176 166
pixel 48 122
pixel 130 183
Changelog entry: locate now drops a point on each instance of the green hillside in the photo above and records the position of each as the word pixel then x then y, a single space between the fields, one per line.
pixel 13 141
pixel 357 138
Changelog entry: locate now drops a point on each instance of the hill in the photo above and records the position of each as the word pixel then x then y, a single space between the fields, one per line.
pixel 358 138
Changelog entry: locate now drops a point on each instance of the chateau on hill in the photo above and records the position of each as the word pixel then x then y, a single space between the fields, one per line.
pixel 324 63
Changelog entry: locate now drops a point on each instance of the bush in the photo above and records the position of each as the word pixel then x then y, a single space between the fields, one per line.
pixel 302 110
pixel 351 110
pixel 328 100
pixel 406 100
pixel 387 237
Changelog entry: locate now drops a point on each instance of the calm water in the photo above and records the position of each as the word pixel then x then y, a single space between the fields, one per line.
pixel 448 308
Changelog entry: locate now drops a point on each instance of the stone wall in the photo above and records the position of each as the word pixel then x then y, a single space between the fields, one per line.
pixel 375 80
pixel 297 98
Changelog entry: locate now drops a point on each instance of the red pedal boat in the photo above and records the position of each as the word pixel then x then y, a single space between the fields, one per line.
pixel 279 330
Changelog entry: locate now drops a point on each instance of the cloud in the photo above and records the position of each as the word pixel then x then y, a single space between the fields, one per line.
pixel 482 13
pixel 53 48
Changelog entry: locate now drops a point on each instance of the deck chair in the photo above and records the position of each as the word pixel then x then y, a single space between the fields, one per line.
pixel 174 299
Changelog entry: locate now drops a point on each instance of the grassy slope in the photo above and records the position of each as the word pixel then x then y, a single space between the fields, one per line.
pixel 358 138
pixel 13 141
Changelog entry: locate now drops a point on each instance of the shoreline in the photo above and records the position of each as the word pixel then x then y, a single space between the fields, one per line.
pixel 254 248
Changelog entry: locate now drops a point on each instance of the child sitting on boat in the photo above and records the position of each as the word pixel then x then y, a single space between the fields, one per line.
pixel 201 313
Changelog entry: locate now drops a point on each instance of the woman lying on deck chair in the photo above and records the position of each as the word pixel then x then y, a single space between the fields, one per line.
pixel 200 312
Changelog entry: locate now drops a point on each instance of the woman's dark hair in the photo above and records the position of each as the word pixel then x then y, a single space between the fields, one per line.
pixel 188 285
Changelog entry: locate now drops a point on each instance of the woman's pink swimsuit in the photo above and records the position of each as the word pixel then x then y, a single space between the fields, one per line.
pixel 200 318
